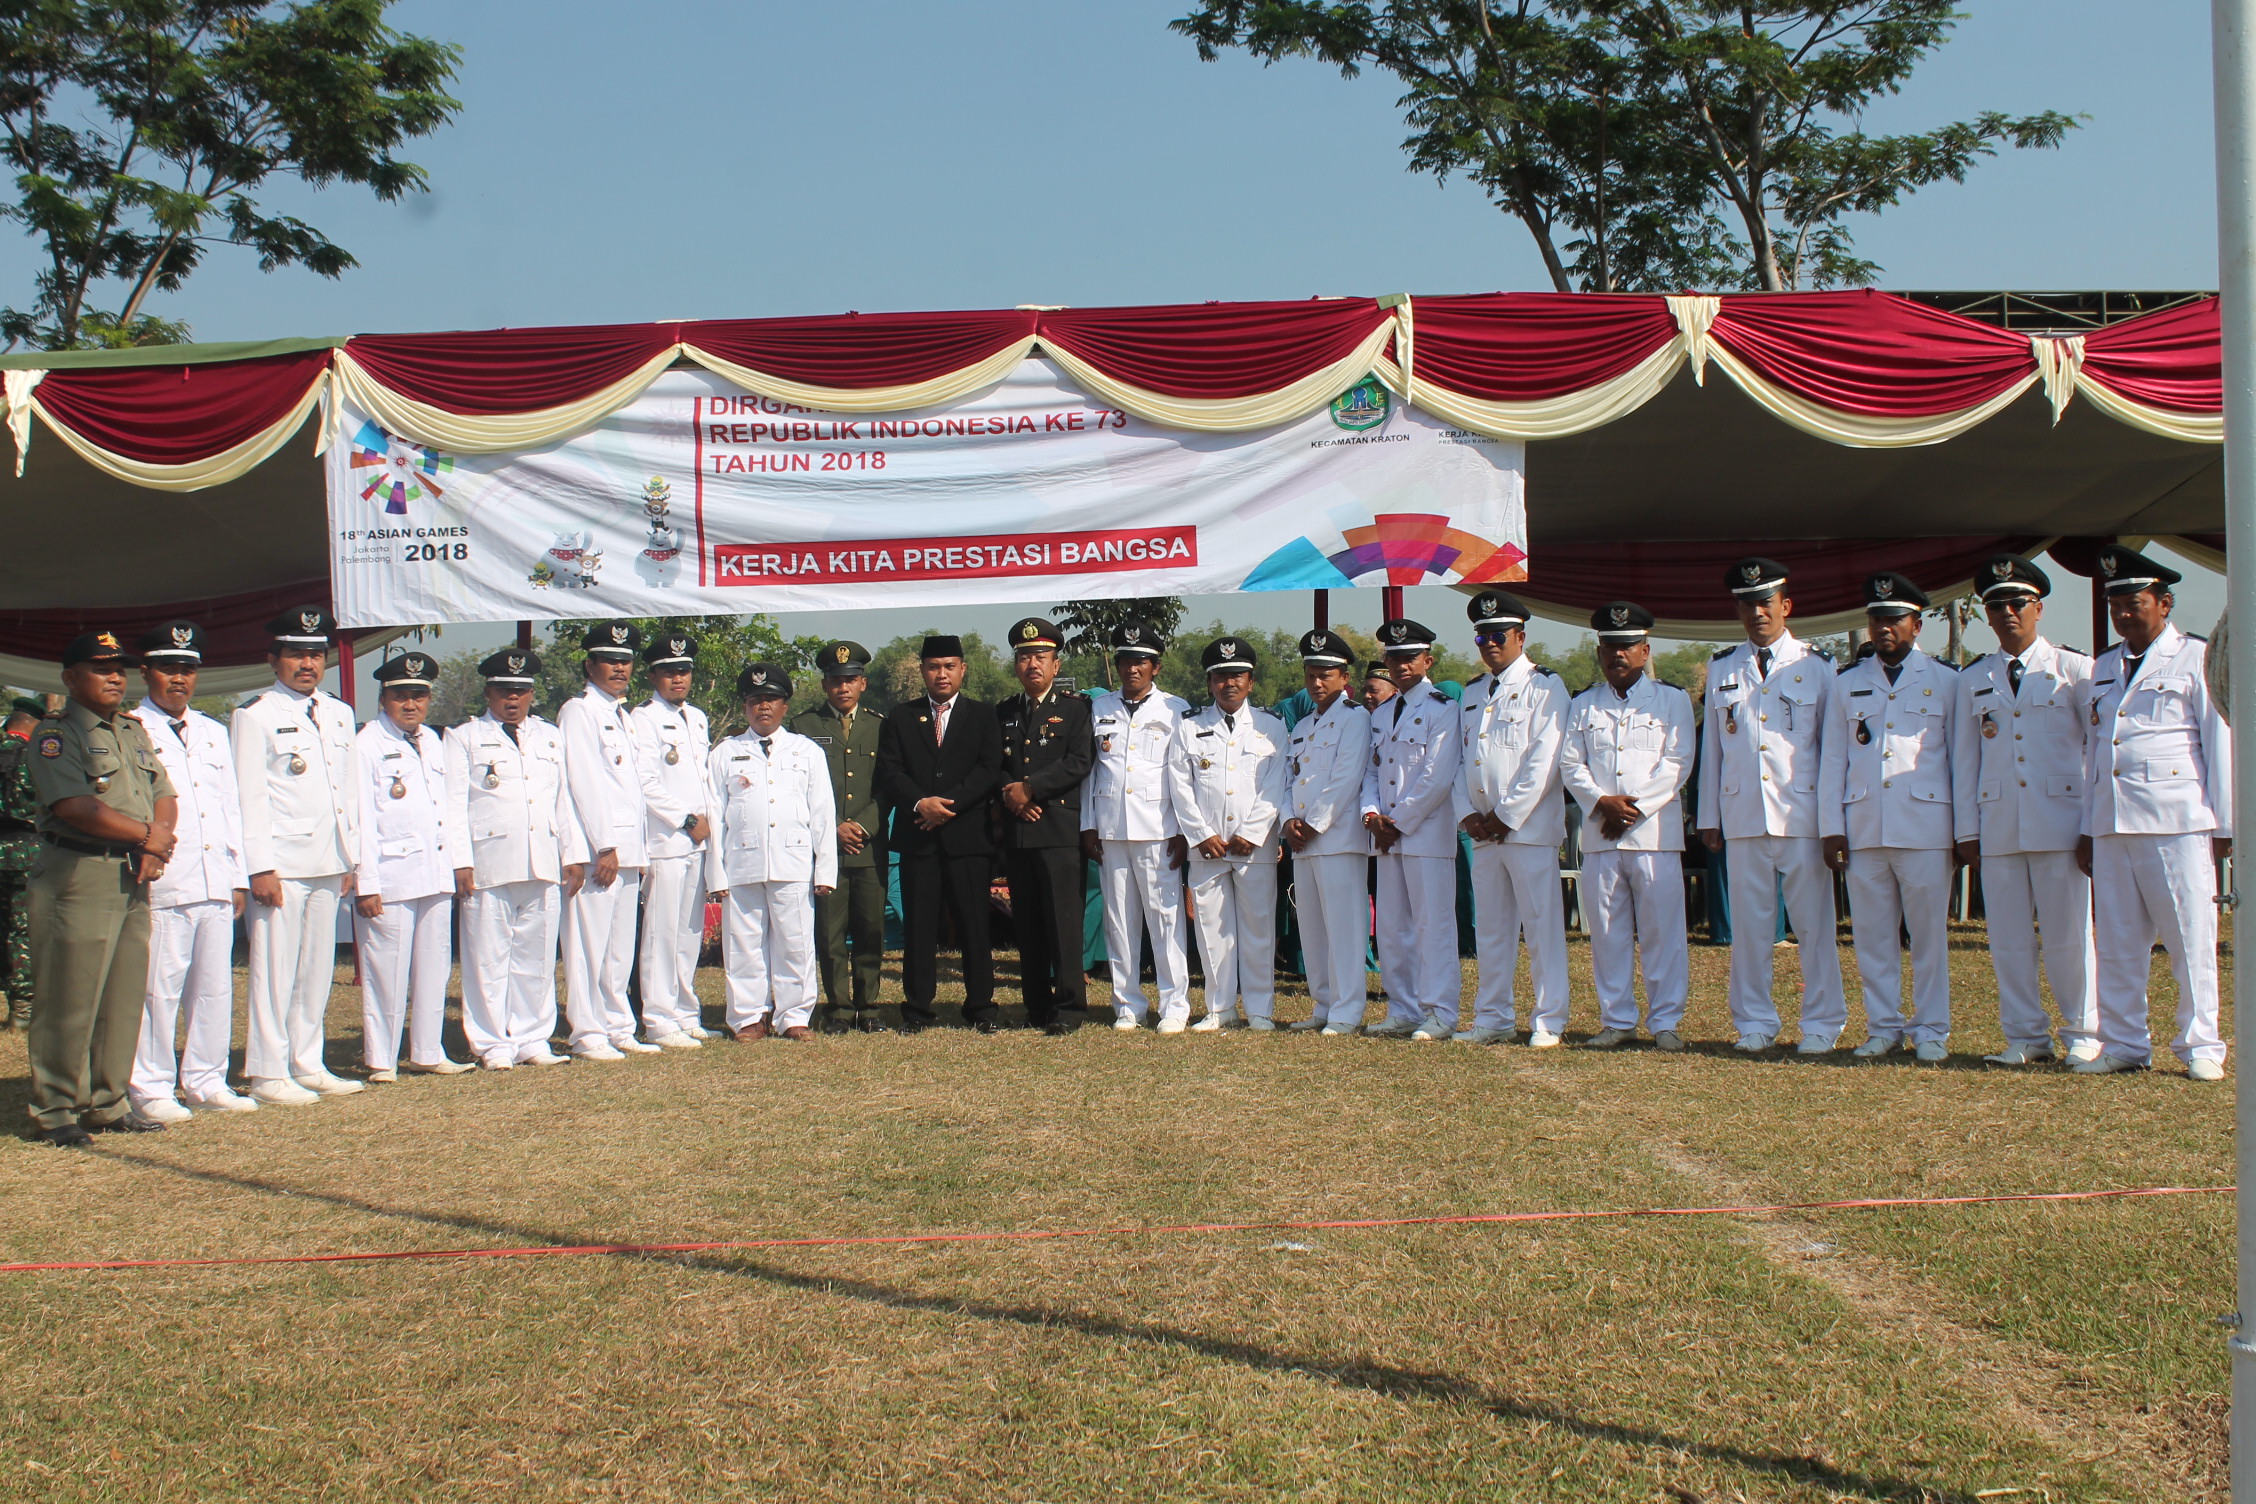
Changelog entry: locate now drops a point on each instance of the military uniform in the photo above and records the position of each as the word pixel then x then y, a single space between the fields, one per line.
pixel 1327 752
pixel 19 850
pixel 850 919
pixel 1049 745
pixel 604 773
pixel 1125 805
pixel 1416 745
pixel 671 745
pixel 1227 782
pixel 89 911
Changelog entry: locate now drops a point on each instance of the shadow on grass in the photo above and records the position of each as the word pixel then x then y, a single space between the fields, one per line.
pixel 1374 1378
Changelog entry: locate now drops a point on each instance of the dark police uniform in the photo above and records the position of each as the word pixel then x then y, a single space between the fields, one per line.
pixel 1049 745
pixel 89 911
pixel 850 920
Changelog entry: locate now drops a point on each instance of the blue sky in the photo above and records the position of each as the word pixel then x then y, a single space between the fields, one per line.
pixel 704 160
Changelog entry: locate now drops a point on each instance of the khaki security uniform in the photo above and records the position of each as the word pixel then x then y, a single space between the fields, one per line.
pixel 89 918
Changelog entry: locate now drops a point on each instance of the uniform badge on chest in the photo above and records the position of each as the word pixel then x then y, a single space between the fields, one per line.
pixel 492 780
pixel 399 787
pixel 297 763
pixel 673 756
pixel 1989 727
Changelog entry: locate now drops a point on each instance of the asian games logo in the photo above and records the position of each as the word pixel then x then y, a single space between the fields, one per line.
pixel 395 470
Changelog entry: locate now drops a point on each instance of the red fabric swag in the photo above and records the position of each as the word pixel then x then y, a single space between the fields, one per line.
pixel 1685 581
pixel 1871 352
pixel 1524 346
pixel 508 370
pixel 170 415
pixel 234 625
pixel 862 350
pixel 2169 359
pixel 1214 349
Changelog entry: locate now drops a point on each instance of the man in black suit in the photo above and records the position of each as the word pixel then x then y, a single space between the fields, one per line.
pixel 938 760
pixel 1049 745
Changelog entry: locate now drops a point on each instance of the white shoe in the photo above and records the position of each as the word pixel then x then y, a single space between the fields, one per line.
pixel 1307 1026
pixel 541 1055
pixel 220 1099
pixel 678 1040
pixel 633 1046
pixel 1543 1039
pixel 1932 1052
pixel 1817 1044
pixel 1127 1023
pixel 2107 1065
pixel 701 1032
pixel 1393 1028
pixel 1753 1044
pixel 599 1050
pixel 383 1078
pixel 1261 1023
pixel 498 1061
pixel 1432 1029
pixel 440 1067
pixel 281 1091
pixel 1876 1046
pixel 1211 1024
pixel 162 1110
pixel 2017 1054
pixel 1172 1026
pixel 328 1085
pixel 2082 1051
pixel 2206 1070
pixel 1335 1031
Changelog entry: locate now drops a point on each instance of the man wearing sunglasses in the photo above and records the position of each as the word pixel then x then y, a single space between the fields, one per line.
pixel 2018 726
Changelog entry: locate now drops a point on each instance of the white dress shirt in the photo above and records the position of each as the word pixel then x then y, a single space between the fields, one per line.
pixel 604 774
pixel 2026 747
pixel 774 821
pixel 207 864
pixel 2161 754
pixel 1762 744
pixel 1514 724
pixel 672 743
pixel 1412 780
pixel 407 847
pixel 1329 751
pixel 1638 744
pixel 1126 797
pixel 1229 780
pixel 510 800
pixel 295 778
pixel 1896 786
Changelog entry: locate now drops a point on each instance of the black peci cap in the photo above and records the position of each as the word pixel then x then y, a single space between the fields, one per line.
pixel 942 645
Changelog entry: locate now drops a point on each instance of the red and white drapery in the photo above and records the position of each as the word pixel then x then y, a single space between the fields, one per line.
pixel 1863 369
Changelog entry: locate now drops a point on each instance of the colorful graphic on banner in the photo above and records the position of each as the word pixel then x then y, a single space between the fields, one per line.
pixel 698 499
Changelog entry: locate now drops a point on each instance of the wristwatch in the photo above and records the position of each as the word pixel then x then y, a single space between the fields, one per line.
pixel 689 825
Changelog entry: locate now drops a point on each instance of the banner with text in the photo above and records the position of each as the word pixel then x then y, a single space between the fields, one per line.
pixel 697 499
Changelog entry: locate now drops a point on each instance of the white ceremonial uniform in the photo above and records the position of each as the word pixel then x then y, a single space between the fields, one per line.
pixel 1895 795
pixel 296 774
pixel 775 840
pixel 2158 791
pixel 1515 723
pixel 2026 758
pixel 672 744
pixel 1329 751
pixel 408 853
pixel 192 915
pixel 1228 780
pixel 509 800
pixel 605 775
pixel 1761 751
pixel 1412 779
pixel 1125 802
pixel 1640 745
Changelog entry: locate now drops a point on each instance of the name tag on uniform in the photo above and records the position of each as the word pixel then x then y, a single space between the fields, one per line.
pixel 388 756
pixel 1985 690
pixel 741 757
pixel 1855 693
pixel 820 741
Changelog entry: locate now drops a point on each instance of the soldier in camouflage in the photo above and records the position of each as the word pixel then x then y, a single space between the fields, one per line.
pixel 19 843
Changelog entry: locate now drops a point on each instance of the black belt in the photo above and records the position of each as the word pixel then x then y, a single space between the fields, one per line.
pixel 91 848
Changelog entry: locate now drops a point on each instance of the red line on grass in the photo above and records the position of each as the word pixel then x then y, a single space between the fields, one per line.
pixel 1030 1235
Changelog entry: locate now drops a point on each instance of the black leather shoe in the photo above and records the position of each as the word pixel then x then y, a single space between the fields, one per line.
pixel 69 1136
pixel 1058 1028
pixel 872 1023
pixel 988 1026
pixel 911 1024
pixel 130 1123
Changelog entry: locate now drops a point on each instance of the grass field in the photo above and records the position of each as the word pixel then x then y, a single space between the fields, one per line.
pixel 2032 1352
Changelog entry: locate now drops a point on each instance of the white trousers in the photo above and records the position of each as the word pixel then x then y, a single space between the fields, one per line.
pixel 1141 892
pixel 1516 890
pixel 191 988
pixel 1332 901
pixel 405 955
pixel 1236 905
pixel 1756 864
pixel 293 966
pixel 2148 889
pixel 1636 916
pixel 768 946
pixel 599 951
pixel 1417 931
pixel 673 931
pixel 1892 889
pixel 509 969
pixel 2033 895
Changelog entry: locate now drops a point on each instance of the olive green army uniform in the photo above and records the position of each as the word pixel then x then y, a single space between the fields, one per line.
pixel 853 914
pixel 19 849
pixel 89 918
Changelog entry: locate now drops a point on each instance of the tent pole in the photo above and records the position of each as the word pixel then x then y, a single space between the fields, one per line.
pixel 1391 601
pixel 2234 49
pixel 525 636
pixel 347 692
pixel 1323 609
pixel 2099 613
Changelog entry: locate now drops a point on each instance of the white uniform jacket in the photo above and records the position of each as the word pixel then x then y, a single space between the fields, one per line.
pixel 1229 783
pixel 408 848
pixel 605 775
pixel 509 800
pixel 1638 744
pixel 1412 778
pixel 773 819
pixel 2161 756
pixel 1888 776
pixel 1761 746
pixel 2027 750
pixel 207 864
pixel 1514 726
pixel 672 745
pixel 1327 754
pixel 297 783
pixel 1125 798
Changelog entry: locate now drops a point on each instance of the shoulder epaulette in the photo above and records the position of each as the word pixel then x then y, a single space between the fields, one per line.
pixel 1723 652
pixel 1545 668
pixel 2078 652
pixel 253 700
pixel 1977 658
pixel 1477 679
pixel 2196 636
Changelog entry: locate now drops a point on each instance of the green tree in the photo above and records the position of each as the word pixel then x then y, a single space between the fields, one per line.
pixel 1088 628
pixel 1652 144
pixel 894 675
pixel 142 131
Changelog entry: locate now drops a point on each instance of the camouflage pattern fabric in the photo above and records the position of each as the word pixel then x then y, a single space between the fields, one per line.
pixel 19 846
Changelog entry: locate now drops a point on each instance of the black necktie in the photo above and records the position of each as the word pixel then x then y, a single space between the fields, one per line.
pixel 511 728
pixel 764 746
pixel 1762 663
pixel 1229 721
pixel 1891 670
pixel 2131 666
pixel 1401 703
pixel 310 716
pixel 180 729
pixel 2013 675
pixel 415 739
pixel 1132 706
